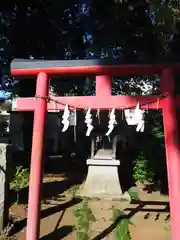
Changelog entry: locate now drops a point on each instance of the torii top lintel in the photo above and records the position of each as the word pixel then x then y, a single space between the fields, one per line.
pixel 103 70
pixel 94 67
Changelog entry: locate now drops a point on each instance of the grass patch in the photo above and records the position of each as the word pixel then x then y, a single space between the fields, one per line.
pixel 121 231
pixel 84 219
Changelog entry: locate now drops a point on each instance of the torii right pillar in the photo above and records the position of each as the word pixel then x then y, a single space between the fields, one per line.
pixel 172 149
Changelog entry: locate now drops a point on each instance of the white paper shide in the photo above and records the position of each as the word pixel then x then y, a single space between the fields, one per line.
pixel 135 116
pixel 65 118
pixel 88 121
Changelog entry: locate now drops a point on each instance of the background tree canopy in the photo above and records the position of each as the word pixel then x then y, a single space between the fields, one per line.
pixel 131 31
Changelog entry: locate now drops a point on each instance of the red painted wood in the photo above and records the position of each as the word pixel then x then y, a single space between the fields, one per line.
pixel 172 150
pixel 103 86
pixel 33 216
pixel 113 70
pixel 84 102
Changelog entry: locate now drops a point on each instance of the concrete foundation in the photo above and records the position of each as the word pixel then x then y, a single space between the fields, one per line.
pixel 102 180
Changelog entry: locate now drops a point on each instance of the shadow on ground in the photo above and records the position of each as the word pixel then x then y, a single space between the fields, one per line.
pixel 59 233
pixel 54 188
pixel 19 225
pixel 132 211
pixel 135 207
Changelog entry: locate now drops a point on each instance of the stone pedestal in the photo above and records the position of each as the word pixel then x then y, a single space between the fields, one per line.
pixel 102 180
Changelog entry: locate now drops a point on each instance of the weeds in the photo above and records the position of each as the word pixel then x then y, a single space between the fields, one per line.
pixel 84 219
pixel 142 171
pixel 122 229
pixel 20 180
pixel 134 194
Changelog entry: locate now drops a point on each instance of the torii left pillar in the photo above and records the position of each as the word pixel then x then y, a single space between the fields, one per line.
pixel 33 216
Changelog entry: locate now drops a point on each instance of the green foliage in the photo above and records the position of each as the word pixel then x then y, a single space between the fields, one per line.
pixel 154 148
pixel 133 194
pixel 157 133
pixel 142 170
pixel 157 129
pixel 20 180
pixel 122 228
pixel 84 219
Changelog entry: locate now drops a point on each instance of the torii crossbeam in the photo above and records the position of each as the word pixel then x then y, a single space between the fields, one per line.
pixel 103 70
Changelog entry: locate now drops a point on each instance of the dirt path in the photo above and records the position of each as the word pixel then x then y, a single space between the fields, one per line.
pixel 149 218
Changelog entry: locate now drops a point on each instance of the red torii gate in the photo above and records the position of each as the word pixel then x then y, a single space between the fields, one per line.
pixel 103 70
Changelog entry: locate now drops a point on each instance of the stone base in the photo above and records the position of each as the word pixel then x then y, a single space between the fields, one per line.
pixel 102 180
